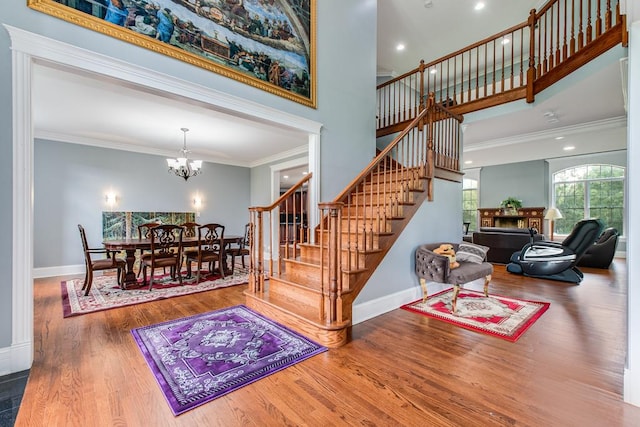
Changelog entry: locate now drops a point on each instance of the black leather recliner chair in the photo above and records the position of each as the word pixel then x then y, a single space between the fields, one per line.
pixel 557 261
pixel 601 253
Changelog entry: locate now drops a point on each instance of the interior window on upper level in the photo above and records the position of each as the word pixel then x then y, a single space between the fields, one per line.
pixel 589 191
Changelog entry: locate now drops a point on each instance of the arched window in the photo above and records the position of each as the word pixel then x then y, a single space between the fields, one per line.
pixel 470 202
pixel 589 191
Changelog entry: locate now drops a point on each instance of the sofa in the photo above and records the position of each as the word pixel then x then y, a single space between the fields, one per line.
pixel 503 241
pixel 434 267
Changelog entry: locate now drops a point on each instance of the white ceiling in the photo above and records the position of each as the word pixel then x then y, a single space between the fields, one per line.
pixel 84 108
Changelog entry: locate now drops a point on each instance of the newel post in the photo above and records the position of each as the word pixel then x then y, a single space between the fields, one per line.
pixel 421 69
pixel 531 71
pixel 256 249
pixel 430 154
pixel 333 266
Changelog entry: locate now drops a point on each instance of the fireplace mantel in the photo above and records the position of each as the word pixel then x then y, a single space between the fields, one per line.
pixel 520 218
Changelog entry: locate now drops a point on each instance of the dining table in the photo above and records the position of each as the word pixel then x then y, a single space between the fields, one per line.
pixel 131 245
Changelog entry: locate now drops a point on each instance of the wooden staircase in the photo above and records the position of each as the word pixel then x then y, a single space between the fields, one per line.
pixel 309 282
pixel 310 285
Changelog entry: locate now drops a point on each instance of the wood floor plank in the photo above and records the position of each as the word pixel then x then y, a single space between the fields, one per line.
pixel 400 368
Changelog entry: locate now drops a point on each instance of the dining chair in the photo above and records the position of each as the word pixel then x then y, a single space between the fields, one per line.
pixel 91 265
pixel 210 250
pixel 190 230
pixel 144 232
pixel 240 250
pixel 166 251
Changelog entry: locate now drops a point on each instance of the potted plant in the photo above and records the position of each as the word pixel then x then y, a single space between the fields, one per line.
pixel 510 205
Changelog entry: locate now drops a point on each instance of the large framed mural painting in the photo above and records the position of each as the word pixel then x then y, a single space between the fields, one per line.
pixel 268 44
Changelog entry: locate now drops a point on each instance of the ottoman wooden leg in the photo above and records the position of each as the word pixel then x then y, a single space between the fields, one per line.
pixel 487 279
pixel 423 283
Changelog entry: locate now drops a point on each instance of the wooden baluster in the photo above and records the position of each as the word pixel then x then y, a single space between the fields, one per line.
pixel 558 57
pixel 545 64
pixel 607 16
pixel 580 29
pixel 589 24
pixel 485 93
pixel 493 73
pixel 564 38
pixel 598 19
pixel 572 40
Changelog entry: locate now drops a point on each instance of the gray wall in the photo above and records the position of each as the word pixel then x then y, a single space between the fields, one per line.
pixel 346 80
pixel 527 181
pixel 71 181
pixel 436 221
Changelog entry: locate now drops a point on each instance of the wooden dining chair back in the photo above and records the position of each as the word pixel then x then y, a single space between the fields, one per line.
pixel 144 232
pixel 190 229
pixel 210 250
pixel 240 250
pixel 166 251
pixel 109 261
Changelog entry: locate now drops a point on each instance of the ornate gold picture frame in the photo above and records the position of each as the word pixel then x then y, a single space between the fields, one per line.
pixel 268 44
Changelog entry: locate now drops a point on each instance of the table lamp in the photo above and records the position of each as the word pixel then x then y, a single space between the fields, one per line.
pixel 552 214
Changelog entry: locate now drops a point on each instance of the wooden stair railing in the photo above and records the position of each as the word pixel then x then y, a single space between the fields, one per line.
pixel 516 63
pixel 312 286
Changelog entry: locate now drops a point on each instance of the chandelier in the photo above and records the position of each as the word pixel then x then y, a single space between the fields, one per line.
pixel 182 166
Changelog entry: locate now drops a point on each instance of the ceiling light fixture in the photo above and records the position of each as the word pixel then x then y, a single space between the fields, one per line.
pixel 559 138
pixel 400 47
pixel 181 166
pixel 479 6
pixel 468 162
pixel 551 117
pixel 568 148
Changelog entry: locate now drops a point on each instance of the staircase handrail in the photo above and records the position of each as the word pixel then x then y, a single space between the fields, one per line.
pixel 257 237
pixel 548 45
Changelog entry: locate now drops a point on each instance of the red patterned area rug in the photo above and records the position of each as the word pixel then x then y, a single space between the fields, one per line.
pixel 106 294
pixel 502 317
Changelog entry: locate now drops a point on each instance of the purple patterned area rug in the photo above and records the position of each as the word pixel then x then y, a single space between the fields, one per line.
pixel 200 358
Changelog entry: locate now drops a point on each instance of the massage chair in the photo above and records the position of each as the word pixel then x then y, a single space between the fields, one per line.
pixel 557 261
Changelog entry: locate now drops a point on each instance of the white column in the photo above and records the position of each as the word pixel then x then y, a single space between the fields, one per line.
pixel 632 371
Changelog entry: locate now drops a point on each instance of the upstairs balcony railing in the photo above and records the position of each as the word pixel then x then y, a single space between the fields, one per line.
pixel 514 64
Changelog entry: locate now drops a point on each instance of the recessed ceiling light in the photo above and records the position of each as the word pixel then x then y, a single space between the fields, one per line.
pixel 468 162
pixel 400 46
pixel 433 71
pixel 479 6
pixel 559 137
pixel 568 148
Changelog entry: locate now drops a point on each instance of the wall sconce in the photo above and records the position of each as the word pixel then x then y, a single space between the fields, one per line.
pixel 111 199
pixel 197 204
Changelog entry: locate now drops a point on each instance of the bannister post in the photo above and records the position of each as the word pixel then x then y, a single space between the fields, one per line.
pixel 421 69
pixel 334 269
pixel 258 279
pixel 531 71
pixel 430 158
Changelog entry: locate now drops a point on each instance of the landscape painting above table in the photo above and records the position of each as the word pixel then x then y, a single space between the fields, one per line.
pixel 124 225
pixel 268 44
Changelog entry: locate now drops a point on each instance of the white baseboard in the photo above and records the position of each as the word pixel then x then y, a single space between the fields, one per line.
pixel 64 270
pixel 370 309
pixel 16 358
pixel 632 387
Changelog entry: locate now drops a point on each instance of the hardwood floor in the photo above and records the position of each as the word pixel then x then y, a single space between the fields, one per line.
pixel 400 368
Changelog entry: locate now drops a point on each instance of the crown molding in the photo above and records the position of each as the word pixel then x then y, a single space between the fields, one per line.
pixel 595 126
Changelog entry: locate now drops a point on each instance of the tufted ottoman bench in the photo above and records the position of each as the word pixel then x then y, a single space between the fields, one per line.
pixel 435 268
